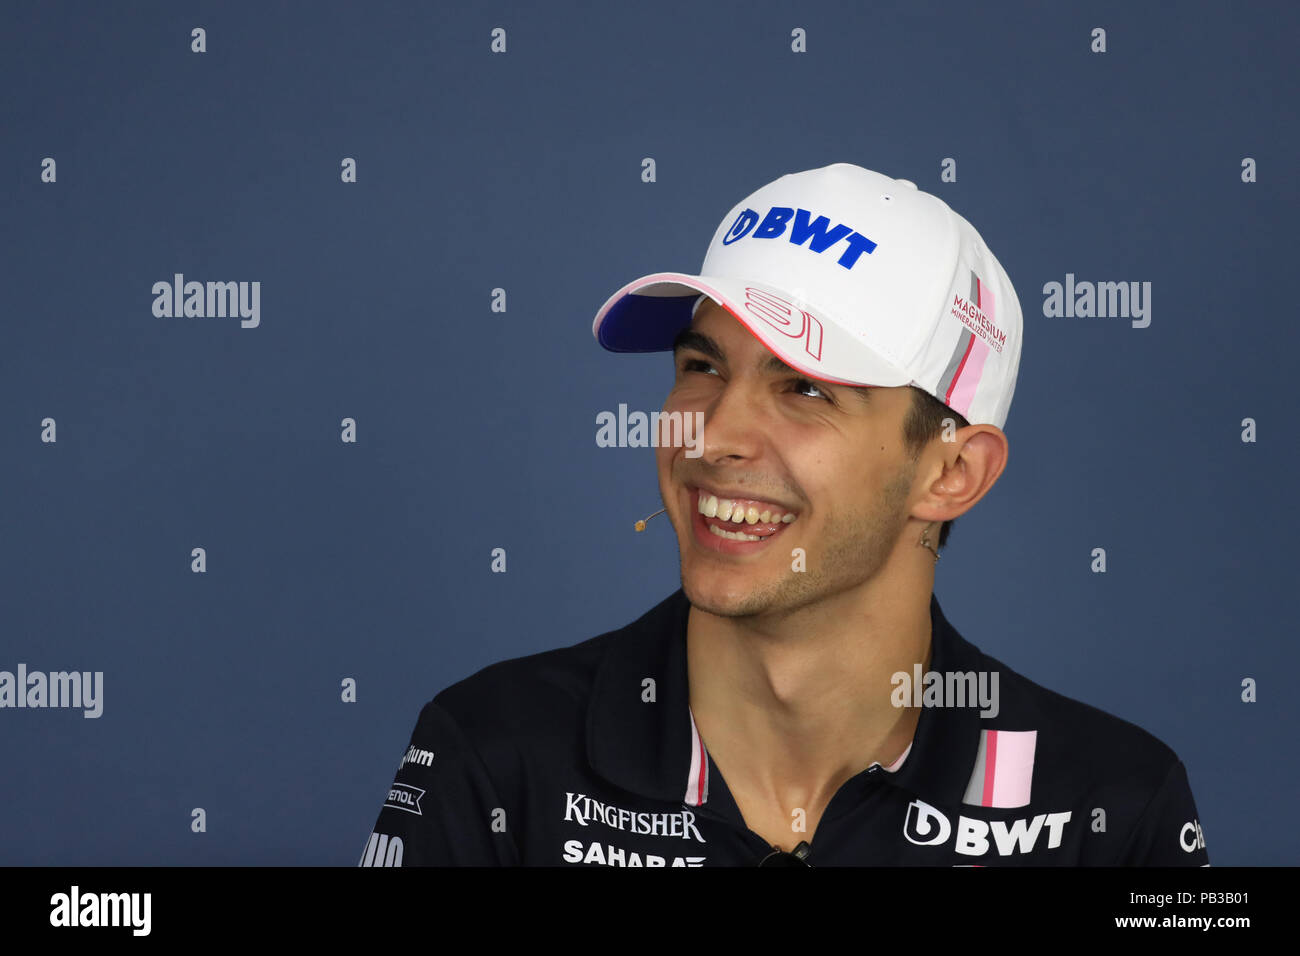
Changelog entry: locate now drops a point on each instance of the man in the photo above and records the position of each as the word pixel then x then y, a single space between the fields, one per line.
pixel 852 348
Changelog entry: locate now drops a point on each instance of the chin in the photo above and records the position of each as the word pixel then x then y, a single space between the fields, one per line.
pixel 711 593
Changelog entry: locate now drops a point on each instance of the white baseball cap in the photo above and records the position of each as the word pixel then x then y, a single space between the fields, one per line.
pixel 850 277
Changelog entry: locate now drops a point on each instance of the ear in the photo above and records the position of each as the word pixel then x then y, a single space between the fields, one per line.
pixel 963 469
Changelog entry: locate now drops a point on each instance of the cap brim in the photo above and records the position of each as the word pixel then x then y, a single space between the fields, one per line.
pixel 647 314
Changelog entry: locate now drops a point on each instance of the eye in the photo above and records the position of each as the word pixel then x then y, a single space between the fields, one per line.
pixel 697 365
pixel 802 386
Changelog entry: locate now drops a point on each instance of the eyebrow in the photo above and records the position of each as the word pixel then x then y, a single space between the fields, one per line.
pixel 689 338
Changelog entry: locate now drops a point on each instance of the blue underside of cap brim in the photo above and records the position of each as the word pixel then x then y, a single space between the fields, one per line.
pixel 645 323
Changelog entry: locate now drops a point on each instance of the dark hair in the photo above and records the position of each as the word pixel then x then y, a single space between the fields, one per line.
pixel 923 423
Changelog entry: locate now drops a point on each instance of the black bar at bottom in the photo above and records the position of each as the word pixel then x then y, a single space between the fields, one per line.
pixel 333 906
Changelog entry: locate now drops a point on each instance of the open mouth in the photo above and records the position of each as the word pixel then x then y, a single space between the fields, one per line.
pixel 749 522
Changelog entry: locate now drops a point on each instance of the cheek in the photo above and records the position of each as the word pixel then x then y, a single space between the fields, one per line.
pixel 694 391
pixel 664 460
pixel 837 483
pixel 666 463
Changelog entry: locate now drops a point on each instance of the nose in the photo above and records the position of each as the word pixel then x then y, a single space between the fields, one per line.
pixel 733 424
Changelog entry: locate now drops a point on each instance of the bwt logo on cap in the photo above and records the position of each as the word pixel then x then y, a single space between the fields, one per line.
pixel 816 232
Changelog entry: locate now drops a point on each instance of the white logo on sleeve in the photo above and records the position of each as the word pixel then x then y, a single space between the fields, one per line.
pixel 404 797
pixel 1191 838
pixel 382 850
pixel 422 758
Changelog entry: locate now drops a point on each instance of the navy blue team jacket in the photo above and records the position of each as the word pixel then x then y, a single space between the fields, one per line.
pixel 556 759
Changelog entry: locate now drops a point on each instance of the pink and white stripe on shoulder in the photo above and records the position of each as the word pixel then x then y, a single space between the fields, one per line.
pixel 1004 769
pixel 697 780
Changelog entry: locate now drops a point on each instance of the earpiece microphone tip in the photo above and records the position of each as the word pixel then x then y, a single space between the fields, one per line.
pixel 640 525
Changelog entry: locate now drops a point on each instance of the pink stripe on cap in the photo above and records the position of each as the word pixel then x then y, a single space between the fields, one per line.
pixel 962 394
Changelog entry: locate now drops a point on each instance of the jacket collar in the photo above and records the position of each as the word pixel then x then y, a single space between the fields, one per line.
pixel 641 735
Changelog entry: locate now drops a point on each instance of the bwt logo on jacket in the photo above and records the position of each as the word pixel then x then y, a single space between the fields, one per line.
pixel 816 232
pixel 926 826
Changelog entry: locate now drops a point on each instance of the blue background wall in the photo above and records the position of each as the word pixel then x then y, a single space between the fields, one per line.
pixel 522 170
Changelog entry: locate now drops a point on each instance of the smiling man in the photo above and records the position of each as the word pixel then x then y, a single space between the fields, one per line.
pixel 798 530
pixel 853 349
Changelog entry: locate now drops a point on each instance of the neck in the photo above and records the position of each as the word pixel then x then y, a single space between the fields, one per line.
pixel 792 705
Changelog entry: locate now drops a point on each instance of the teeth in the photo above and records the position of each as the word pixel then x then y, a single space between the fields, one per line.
pixel 733 535
pixel 724 509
